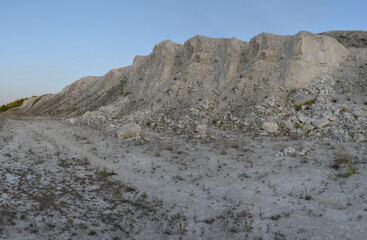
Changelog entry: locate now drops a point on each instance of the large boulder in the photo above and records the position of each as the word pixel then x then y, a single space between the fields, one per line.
pixel 129 131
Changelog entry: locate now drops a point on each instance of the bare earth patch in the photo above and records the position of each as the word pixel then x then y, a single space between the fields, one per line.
pixel 68 182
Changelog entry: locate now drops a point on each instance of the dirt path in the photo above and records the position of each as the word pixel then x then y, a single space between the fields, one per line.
pixel 79 183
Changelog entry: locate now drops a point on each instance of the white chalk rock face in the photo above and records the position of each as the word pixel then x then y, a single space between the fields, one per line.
pixel 129 131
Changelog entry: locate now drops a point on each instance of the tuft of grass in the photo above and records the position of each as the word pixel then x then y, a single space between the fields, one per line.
pixel 46 201
pixel 308 197
pixel 297 125
pixel 209 220
pixel 344 109
pixel 144 195
pixel 275 217
pixel 344 160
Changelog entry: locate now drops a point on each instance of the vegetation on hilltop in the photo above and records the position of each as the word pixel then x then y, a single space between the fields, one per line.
pixel 14 104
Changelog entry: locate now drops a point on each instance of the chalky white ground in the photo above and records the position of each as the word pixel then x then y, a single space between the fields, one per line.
pixel 62 181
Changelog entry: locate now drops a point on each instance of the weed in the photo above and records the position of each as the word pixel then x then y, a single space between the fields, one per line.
pixel 297 125
pixel 344 160
pixel 209 220
pixel 169 148
pixel 144 195
pixel 92 233
pixel 344 109
pixel 275 217
pixel 46 201
pixel 142 136
pixel 223 152
pixel 308 197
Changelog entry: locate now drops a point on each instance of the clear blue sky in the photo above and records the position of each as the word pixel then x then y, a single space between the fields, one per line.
pixel 46 45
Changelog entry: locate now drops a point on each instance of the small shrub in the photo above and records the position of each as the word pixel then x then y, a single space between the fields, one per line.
pixel 344 160
pixel 344 109
pixel 275 217
pixel 297 125
pixel 209 220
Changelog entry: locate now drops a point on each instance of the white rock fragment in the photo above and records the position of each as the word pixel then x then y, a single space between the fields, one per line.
pixel 302 119
pixel 359 137
pixel 320 123
pixel 201 129
pixel 289 151
pixel 129 131
pixel 304 152
pixel 347 115
pixel 270 127
pixel 279 154
pixel 357 113
pixel 72 121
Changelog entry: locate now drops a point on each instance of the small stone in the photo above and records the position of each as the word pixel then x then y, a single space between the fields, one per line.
pixel 359 137
pixel 270 127
pixel 129 131
pixel 357 113
pixel 72 120
pixel 279 154
pixel 320 123
pixel 302 119
pixel 201 129
pixel 347 115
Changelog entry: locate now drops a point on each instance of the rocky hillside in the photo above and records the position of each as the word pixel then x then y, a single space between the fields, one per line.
pixel 304 85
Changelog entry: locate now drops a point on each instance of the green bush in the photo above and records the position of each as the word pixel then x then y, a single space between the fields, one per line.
pixel 11 105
